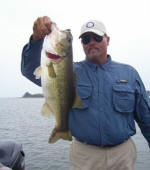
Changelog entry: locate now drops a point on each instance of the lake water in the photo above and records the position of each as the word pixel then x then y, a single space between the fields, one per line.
pixel 20 119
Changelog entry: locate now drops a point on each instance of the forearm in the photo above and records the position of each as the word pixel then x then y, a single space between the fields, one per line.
pixel 31 55
pixel 143 119
pixel 142 113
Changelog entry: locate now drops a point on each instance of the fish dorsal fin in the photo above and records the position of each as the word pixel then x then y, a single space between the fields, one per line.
pixel 77 101
pixel 38 72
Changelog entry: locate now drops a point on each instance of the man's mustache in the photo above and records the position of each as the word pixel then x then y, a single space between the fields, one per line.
pixel 92 47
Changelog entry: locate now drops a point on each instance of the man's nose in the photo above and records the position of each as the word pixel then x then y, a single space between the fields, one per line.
pixel 92 41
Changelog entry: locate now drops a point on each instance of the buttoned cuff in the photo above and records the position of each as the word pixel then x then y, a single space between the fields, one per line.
pixel 34 42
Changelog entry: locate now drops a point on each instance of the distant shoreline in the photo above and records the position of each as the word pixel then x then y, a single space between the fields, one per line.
pixel 39 95
pixel 29 95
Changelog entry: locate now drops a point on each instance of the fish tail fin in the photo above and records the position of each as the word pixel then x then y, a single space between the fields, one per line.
pixel 56 134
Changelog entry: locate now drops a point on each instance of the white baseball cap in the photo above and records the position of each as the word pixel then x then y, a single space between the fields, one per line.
pixel 94 26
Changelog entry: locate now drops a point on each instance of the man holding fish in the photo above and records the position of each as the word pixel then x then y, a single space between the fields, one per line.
pixel 96 101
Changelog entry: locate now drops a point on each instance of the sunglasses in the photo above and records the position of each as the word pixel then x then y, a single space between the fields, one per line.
pixel 85 39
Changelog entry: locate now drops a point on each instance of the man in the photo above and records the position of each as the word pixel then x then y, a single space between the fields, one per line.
pixel 113 97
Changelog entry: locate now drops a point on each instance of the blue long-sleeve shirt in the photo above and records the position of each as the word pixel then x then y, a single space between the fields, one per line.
pixel 113 97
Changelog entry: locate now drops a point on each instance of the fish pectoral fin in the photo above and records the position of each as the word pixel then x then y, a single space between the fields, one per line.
pixel 37 72
pixel 77 101
pixel 51 71
pixel 56 135
pixel 46 110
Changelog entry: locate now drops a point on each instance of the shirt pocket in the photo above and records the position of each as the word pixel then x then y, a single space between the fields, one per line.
pixel 85 92
pixel 123 98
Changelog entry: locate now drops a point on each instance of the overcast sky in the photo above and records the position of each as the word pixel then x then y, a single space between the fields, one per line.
pixel 127 23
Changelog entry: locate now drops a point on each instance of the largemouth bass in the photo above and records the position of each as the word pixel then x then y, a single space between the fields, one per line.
pixel 58 80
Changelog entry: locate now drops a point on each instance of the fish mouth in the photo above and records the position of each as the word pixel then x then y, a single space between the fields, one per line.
pixel 52 56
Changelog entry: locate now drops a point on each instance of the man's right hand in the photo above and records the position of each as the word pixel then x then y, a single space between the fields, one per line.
pixel 41 27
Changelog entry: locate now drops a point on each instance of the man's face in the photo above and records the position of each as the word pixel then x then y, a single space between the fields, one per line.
pixel 95 46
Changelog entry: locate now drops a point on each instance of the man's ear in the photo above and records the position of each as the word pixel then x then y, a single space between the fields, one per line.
pixel 108 39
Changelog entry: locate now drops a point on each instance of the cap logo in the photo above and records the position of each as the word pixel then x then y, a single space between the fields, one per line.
pixel 90 25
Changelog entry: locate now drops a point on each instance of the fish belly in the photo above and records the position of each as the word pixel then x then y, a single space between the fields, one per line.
pixel 59 93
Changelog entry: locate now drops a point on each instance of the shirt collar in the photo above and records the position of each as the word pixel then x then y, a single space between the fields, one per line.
pixel 103 65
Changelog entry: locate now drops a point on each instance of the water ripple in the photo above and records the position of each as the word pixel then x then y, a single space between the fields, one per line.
pixel 21 120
